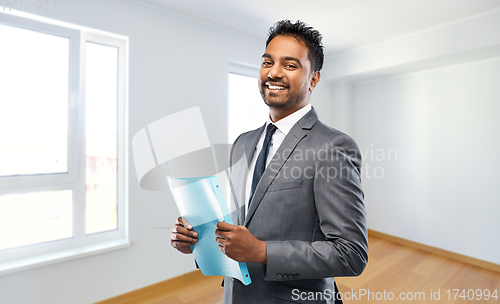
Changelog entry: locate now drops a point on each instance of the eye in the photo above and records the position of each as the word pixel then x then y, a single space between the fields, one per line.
pixel 267 63
pixel 291 66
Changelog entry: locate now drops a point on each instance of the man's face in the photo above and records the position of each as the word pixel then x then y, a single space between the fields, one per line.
pixel 285 74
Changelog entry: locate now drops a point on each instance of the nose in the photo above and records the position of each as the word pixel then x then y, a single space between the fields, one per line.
pixel 275 72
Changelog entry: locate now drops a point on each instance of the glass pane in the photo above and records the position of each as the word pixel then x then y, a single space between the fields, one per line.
pixel 101 137
pixel 37 217
pixel 34 69
pixel 246 109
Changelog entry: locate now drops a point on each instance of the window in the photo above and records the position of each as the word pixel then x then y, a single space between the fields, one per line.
pixel 62 135
pixel 246 109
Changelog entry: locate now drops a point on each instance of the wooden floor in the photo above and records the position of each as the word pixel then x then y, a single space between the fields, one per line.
pixel 396 268
pixel 391 268
pixel 201 290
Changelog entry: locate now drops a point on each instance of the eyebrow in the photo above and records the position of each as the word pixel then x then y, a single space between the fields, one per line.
pixel 283 58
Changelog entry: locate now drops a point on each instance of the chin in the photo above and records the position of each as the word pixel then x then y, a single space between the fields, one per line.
pixel 275 105
pixel 273 101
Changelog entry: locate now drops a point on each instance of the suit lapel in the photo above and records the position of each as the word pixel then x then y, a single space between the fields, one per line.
pixel 249 150
pixel 251 143
pixel 296 134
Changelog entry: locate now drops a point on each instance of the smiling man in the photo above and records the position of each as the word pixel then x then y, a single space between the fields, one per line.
pixel 287 76
pixel 302 220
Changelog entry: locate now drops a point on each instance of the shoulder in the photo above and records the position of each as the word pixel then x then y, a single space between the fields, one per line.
pixel 333 138
pixel 238 146
pixel 250 135
pixel 334 147
pixel 241 139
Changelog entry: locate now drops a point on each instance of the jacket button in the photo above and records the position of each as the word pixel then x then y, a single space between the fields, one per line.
pixel 279 276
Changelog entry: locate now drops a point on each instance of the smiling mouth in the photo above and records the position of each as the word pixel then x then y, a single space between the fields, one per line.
pixel 275 87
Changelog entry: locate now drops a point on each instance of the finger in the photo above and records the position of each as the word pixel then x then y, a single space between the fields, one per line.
pixel 225 226
pixel 183 230
pixel 222 234
pixel 179 244
pixel 222 248
pixel 219 233
pixel 178 221
pixel 220 241
pixel 183 222
pixel 182 247
pixel 183 238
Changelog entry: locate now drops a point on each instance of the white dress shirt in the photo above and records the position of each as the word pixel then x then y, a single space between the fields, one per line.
pixel 283 126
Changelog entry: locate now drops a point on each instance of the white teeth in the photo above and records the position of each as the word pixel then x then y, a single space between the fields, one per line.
pixel 271 87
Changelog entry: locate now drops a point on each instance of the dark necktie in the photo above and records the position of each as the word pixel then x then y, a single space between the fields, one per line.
pixel 260 165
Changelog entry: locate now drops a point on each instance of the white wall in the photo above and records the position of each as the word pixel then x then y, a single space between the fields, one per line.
pixel 423 109
pixel 322 101
pixel 441 189
pixel 470 39
pixel 175 63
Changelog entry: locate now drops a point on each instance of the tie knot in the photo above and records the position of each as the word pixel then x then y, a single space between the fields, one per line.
pixel 270 130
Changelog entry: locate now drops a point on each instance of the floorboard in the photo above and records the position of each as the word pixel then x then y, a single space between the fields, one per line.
pixel 392 268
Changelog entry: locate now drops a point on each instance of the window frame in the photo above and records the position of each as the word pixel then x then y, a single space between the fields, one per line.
pixel 241 69
pixel 35 255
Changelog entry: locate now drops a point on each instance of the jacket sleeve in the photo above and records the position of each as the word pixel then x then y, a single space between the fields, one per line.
pixel 338 198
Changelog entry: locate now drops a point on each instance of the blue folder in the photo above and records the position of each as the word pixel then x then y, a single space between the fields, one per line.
pixel 201 202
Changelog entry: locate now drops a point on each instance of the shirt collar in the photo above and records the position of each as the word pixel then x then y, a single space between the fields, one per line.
pixel 285 124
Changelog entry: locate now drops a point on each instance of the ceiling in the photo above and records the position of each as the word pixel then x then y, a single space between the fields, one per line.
pixel 345 24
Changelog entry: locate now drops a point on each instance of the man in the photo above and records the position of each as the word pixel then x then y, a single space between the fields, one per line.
pixel 302 219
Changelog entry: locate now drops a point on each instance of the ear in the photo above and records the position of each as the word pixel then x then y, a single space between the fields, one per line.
pixel 315 76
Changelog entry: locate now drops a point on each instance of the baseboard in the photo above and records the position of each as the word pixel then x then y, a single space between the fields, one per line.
pixel 441 252
pixel 165 286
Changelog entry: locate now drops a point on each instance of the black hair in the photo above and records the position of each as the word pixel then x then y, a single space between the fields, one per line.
pixel 303 33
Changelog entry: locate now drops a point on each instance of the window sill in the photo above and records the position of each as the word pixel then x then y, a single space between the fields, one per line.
pixel 61 256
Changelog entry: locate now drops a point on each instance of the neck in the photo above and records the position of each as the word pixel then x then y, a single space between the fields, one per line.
pixel 279 113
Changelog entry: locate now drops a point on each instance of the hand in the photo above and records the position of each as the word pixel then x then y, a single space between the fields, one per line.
pixel 183 236
pixel 238 243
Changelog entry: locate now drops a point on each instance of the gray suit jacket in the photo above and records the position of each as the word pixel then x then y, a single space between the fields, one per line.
pixel 308 207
